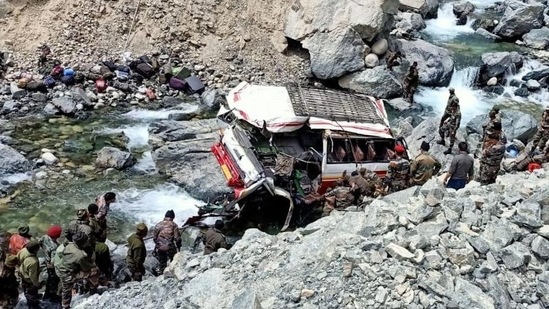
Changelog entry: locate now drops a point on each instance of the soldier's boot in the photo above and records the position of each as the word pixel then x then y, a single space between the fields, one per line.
pixel 448 151
pixel 441 142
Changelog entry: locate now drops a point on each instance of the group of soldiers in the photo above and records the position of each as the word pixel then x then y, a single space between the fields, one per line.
pixel 82 262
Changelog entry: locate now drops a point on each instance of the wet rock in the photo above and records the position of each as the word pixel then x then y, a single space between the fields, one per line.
pixel 66 105
pixel 522 92
pixel 463 8
pixel 515 255
pixel 533 85
pixel 540 246
pixel 484 23
pixel 516 124
pixel 487 34
pixel 519 18
pixel 435 64
pixel 498 89
pixel 427 8
pixel 496 64
pixel 11 161
pixel 211 100
pixel 536 75
pixel 537 38
pixel 377 82
pixel 110 157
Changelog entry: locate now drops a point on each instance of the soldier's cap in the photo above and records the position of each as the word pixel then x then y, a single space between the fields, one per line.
pixel 399 149
pixel 33 246
pixel 452 90
pixel 11 261
pixel 82 214
pixel 142 228
pixel 23 229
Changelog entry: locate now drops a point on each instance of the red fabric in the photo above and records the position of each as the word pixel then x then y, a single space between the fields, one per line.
pixel 54 231
pixel 399 149
pixel 17 242
pixel 533 166
pixel 100 85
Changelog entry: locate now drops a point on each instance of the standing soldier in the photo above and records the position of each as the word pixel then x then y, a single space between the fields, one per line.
pixel 214 239
pixel 9 295
pixel 393 59
pixel 19 240
pixel 167 239
pixel 49 245
pixel 449 128
pixel 29 270
pixel 101 250
pixel 542 136
pixel 424 166
pixel 137 252
pixel 411 82
pixel 453 101
pixel 493 151
pixel 398 172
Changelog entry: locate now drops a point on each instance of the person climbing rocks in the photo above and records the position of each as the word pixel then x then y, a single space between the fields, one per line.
pixel 19 240
pixel 393 59
pixel 411 82
pixel 398 172
pixel 373 179
pixel 453 101
pixel 213 238
pixel 542 136
pixel 104 203
pixel 29 270
pixel 167 239
pixel 9 294
pixel 101 250
pixel 98 224
pixel 73 264
pixel 49 244
pixel 493 151
pixel 461 169
pixel 137 252
pixel 424 166
pixel 449 127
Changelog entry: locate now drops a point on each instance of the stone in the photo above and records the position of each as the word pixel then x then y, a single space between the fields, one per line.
pixel 371 60
pixel 536 74
pixel 399 252
pixel 246 300
pixel 516 124
pixel 543 231
pixel 540 246
pixel 8 107
pixel 487 34
pixel 377 82
pixel 381 295
pixel 65 105
pixel 468 295
pixel 462 257
pixel 427 8
pixel 211 100
pixel 492 81
pixel 16 92
pixel 433 227
pixel 380 47
pixel 49 158
pixel 463 8
pixel 519 18
pixel 496 64
pixel 498 234
pixel 527 215
pixel 110 157
pixel 435 64
pixel 515 255
pixel 522 92
pixel 533 85
pixel 11 161
pixel 307 293
pixel 537 38
pixel 490 265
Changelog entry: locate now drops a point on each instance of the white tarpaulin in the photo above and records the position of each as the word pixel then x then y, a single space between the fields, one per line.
pixel 272 106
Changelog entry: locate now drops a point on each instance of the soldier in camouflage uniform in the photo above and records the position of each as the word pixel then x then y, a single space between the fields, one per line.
pixel 398 172
pixel 9 295
pixel 338 197
pixel 453 102
pixel 542 136
pixel 452 117
pixel 167 239
pixel 493 151
pixel 411 82
pixel 49 246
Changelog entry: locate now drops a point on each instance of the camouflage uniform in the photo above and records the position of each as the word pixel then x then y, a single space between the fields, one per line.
pixel 411 82
pixel 360 187
pixel 398 175
pixel 167 239
pixel 338 197
pixel 9 295
pixel 392 60
pixel 423 167
pixel 453 102
pixel 52 283
pixel 490 162
pixel 542 136
pixel 449 128
pixel 373 179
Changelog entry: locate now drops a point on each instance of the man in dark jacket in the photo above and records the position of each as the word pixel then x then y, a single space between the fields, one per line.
pixel 137 252
pixel 214 239
pixel 167 239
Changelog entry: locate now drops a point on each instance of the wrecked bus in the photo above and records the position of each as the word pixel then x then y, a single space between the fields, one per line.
pixel 284 146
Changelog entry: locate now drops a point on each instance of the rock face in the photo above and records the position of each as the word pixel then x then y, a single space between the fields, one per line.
pixel 516 124
pixel 110 157
pixel 333 31
pixel 427 8
pixel 519 18
pixel 65 105
pixel 377 82
pixel 463 8
pixel 11 161
pixel 537 38
pixel 435 63
pixel 409 24
pixel 496 64
pixel 397 253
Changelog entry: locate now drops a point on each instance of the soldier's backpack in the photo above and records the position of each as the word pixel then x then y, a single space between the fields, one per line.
pixel 178 84
pixel 194 85
pixel 49 81
pixel 145 69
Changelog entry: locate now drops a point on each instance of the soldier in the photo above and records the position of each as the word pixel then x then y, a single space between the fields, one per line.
pixel 542 136
pixel 9 295
pixel 49 245
pixel 101 250
pixel 167 239
pixel 373 181
pixel 98 224
pixel 29 270
pixel 104 203
pixel 19 240
pixel 73 264
pixel 360 187
pixel 424 166
pixel 137 252
pixel 493 151
pixel 449 128
pixel 393 59
pixel 411 82
pixel 398 172
pixel 453 101
pixel 82 224
pixel 213 238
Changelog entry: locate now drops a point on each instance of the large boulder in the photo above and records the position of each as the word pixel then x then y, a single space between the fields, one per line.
pixel 516 124
pixel 497 64
pixel 377 82
pixel 110 157
pixel 537 38
pixel 463 8
pixel 435 63
pixel 427 8
pixel 519 18
pixel 408 25
pixel 333 31
pixel 335 53
pixel 11 161
pixel 65 105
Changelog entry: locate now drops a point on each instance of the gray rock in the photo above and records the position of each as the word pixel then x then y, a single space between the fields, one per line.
pixel 498 234
pixel 211 100
pixel 377 82
pixel 8 107
pixel 371 60
pixel 515 255
pixel 487 34
pixel 50 110
pixel 516 124
pixel 11 161
pixel 16 92
pixel 380 47
pixel 246 300
pixel 463 8
pixel 399 252
pixel 110 157
pixel 409 24
pixel 468 295
pixel 335 53
pixel 498 291
pixel 533 85
pixel 537 38
pixel 380 219
pixel 522 92
pixel 540 246
pixel 536 75
pixel 543 231
pixel 543 284
pixel 519 18
pixel 435 64
pixel 427 8
pixel 433 227
pixel 496 64
pixel 527 215
pixel 490 265
pixel 65 105
pixel 403 195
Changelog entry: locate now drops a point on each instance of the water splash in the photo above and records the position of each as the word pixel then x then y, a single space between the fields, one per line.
pixel 138 134
pixel 444 27
pixel 146 164
pixel 145 114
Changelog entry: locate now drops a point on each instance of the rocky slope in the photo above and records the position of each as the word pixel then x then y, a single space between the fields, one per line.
pixel 426 247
